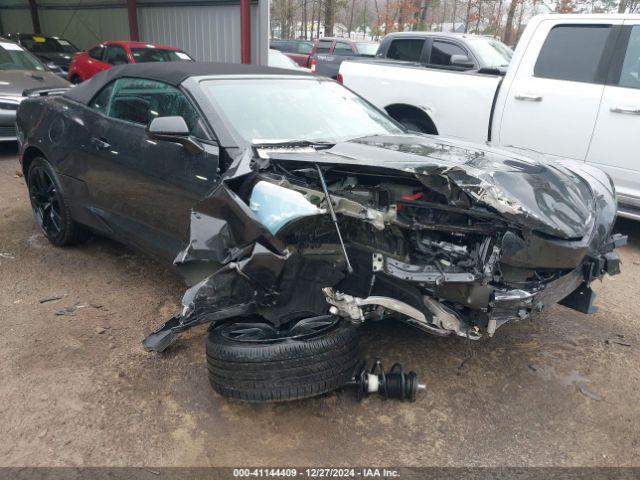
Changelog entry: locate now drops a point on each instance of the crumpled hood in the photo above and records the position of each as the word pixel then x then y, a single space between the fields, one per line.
pixel 529 192
pixel 14 82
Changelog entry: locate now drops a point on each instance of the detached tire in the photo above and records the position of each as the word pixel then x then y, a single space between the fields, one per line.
pixel 255 362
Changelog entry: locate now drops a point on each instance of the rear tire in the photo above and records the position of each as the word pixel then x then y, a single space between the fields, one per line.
pixel 273 369
pixel 76 80
pixel 51 207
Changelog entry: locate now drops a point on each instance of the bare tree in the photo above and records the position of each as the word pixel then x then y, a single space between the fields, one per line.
pixel 508 28
pixel 350 23
pixel 468 17
pixel 329 17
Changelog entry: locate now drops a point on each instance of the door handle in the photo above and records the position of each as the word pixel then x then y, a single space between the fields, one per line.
pixel 101 143
pixel 529 97
pixel 629 110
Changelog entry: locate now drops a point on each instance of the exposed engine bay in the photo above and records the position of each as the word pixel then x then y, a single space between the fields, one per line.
pixel 284 238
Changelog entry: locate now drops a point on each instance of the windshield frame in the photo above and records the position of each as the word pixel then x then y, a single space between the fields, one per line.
pixel 222 129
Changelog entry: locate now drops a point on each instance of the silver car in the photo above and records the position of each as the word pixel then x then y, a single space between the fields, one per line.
pixel 21 74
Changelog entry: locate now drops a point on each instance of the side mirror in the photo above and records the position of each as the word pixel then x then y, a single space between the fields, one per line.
pixel 173 129
pixel 461 61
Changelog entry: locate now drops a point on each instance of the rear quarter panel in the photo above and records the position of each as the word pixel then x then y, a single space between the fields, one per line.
pixel 58 129
pixel 459 103
pixel 301 59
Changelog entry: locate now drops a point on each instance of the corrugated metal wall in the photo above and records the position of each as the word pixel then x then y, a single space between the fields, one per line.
pixel 86 27
pixel 209 32
pixel 15 19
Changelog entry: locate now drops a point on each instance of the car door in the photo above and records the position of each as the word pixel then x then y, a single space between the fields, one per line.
pixel 408 49
pixel 553 101
pixel 340 51
pixel 115 55
pixel 615 145
pixel 94 62
pixel 148 187
pixel 442 50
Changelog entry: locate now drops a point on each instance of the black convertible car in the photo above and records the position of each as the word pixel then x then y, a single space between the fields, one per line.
pixel 297 211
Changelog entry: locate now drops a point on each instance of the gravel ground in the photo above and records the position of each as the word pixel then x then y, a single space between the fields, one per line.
pixel 78 389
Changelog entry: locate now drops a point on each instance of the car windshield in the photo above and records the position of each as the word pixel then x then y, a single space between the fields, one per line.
pixel 12 57
pixel 39 44
pixel 369 49
pixel 287 110
pixel 149 54
pixel 493 53
pixel 280 60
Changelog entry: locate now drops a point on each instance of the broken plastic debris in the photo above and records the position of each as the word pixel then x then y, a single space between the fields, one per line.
pixel 275 206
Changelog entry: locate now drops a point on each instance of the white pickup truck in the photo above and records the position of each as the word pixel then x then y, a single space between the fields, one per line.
pixel 572 89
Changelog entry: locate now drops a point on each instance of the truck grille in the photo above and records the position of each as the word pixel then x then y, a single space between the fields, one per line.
pixel 7 131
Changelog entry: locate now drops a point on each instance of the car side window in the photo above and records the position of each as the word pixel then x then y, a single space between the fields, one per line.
pixel 441 53
pixel 323 46
pixel 276 45
pixel 116 55
pixel 407 49
pixel 630 75
pixel 572 52
pixel 304 48
pixel 102 100
pixel 96 52
pixel 342 48
pixel 139 101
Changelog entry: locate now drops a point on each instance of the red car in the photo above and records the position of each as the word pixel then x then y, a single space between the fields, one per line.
pixel 107 54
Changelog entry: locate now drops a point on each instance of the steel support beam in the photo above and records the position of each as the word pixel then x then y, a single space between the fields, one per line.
pixel 132 9
pixel 35 19
pixel 245 31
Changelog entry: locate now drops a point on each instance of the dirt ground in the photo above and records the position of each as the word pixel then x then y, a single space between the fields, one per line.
pixel 79 390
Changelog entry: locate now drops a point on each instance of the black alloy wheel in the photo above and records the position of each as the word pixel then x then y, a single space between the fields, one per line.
pixel 50 206
pixel 265 332
pixel 45 201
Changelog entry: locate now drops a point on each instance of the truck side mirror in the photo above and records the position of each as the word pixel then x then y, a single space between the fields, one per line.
pixel 461 61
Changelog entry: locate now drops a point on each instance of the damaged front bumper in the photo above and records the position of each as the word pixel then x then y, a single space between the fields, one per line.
pixel 263 246
pixel 572 290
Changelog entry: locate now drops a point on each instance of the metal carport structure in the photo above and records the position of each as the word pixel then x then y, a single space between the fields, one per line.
pixel 209 30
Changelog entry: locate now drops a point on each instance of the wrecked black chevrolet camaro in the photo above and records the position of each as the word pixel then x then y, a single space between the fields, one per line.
pixel 296 211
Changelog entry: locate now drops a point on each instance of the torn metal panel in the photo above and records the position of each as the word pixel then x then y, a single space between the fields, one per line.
pixel 221 225
pixel 452 240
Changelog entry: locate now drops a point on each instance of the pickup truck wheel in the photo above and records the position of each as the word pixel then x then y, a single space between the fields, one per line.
pixel 412 118
pixel 415 124
pixel 256 362
pixel 50 206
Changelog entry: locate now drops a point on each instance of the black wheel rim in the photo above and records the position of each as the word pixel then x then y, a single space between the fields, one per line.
pixel 251 331
pixel 45 201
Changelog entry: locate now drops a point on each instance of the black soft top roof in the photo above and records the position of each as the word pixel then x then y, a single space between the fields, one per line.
pixel 173 73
